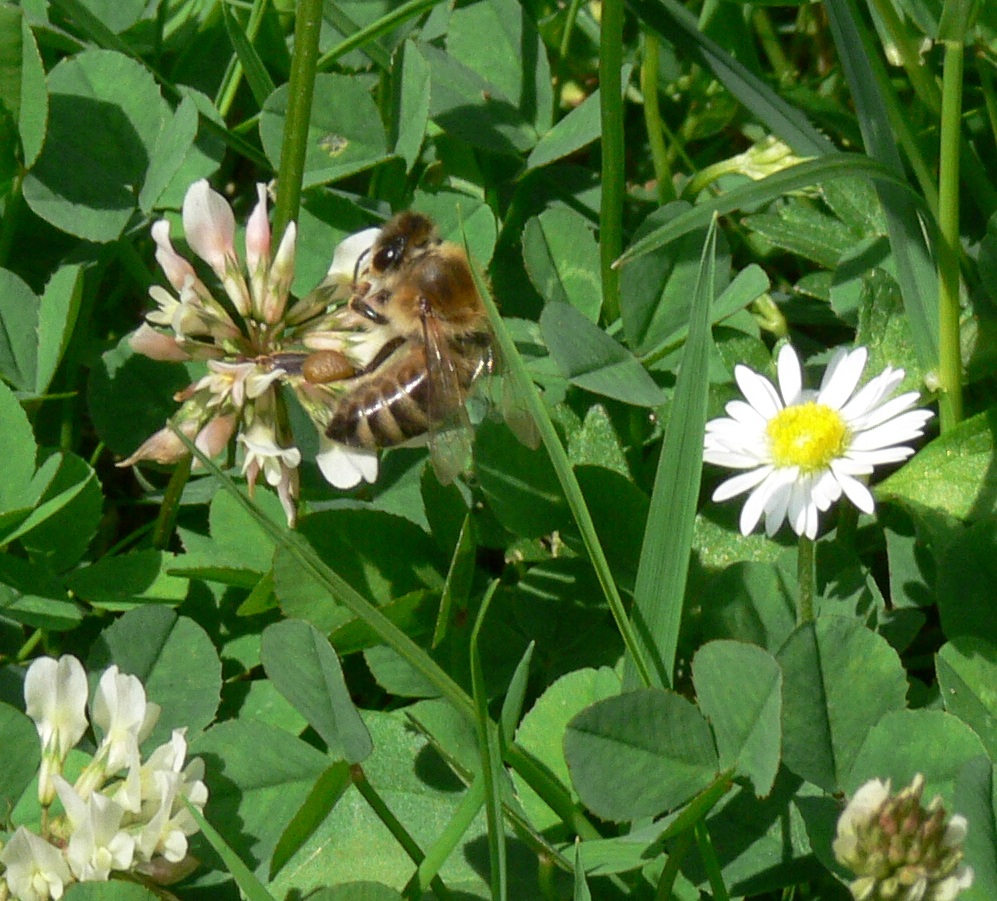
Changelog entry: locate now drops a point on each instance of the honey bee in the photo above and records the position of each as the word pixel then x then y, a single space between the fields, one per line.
pixel 418 292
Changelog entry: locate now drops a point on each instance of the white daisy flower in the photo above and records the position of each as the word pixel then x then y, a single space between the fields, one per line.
pixel 801 449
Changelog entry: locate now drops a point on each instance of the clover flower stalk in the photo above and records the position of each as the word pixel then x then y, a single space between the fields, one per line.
pixel 900 850
pixel 253 338
pixel 122 815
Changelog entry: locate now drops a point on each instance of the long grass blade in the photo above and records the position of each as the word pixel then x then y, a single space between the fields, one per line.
pixel 803 175
pixel 915 270
pixel 524 388
pixel 664 556
pixel 491 760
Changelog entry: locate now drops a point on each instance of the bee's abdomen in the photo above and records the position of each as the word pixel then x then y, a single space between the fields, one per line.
pixel 386 410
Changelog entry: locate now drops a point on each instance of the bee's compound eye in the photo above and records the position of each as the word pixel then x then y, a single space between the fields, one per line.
pixel 389 255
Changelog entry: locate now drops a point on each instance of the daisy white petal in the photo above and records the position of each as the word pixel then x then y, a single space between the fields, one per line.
pixel 759 391
pixel 736 485
pixel 842 375
pixel 790 375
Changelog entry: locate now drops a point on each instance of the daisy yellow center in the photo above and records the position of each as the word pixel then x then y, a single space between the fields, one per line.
pixel 808 435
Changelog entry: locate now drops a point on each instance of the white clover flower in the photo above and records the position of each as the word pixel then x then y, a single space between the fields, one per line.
pixel 345 467
pixel 120 709
pixel 55 697
pixel 801 450
pixel 35 870
pixel 138 823
pixel 97 844
pixel 164 784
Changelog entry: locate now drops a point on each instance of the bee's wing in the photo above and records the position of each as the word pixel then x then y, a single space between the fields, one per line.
pixel 512 404
pixel 449 425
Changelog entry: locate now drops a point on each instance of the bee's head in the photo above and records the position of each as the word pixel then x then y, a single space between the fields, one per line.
pixel 405 234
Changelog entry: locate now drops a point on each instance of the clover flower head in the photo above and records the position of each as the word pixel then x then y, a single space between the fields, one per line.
pixel 900 850
pixel 122 814
pixel 800 450
pixel 255 339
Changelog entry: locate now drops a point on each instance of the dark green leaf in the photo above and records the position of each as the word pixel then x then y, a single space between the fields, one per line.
pixel 562 259
pixel 305 669
pixel 174 658
pixel 591 359
pixel 840 680
pixel 345 134
pixel 739 687
pixel 106 114
pixel 639 754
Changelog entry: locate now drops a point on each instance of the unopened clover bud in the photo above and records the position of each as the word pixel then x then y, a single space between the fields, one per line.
pixel 898 849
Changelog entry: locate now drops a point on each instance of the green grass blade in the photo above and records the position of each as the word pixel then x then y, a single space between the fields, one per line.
pixel 491 760
pixel 525 389
pixel 249 885
pixel 361 37
pixel 256 73
pixel 613 165
pixel 345 594
pixel 664 557
pixel 915 271
pixel 803 175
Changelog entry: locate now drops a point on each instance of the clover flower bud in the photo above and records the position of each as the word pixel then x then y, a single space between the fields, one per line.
pixel 900 850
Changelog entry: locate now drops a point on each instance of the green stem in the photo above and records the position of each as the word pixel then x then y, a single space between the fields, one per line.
pixel 233 74
pixel 491 762
pixel 652 119
pixel 806 554
pixel 448 840
pixel 562 50
pixel 301 86
pixel 908 52
pixel 171 504
pixel 710 863
pixel 358 37
pixel 670 872
pixel 769 41
pixel 611 105
pixel 395 827
pixel 950 356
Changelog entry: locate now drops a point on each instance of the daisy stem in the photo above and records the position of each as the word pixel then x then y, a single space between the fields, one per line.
pixel 301 86
pixel 805 577
pixel 950 360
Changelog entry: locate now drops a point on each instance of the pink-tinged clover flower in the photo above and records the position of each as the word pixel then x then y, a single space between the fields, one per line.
pixel 900 850
pixel 254 338
pixel 800 450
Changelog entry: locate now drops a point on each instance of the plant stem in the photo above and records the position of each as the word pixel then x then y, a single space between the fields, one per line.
pixel 301 86
pixel 562 50
pixel 950 356
pixel 448 840
pixel 671 870
pixel 611 105
pixel 395 826
pixel 711 863
pixel 171 504
pixel 805 576
pixel 652 119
